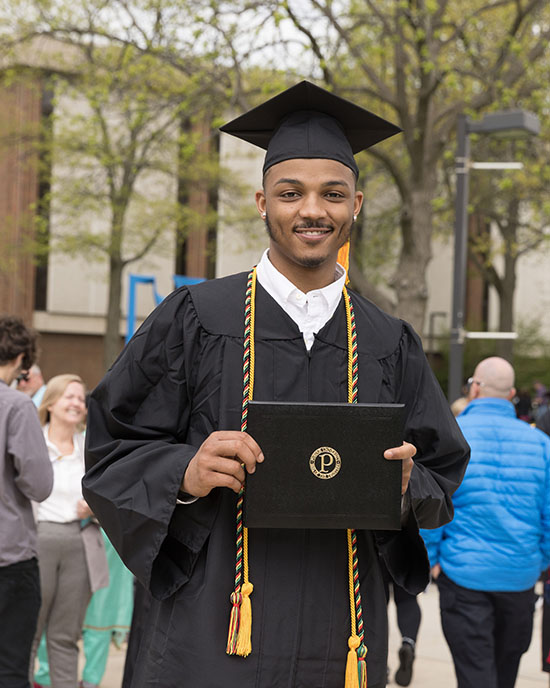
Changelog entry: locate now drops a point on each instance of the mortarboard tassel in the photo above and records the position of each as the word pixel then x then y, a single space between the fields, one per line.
pixel 343 258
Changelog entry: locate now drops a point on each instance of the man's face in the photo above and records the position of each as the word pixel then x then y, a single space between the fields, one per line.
pixel 32 384
pixel 309 207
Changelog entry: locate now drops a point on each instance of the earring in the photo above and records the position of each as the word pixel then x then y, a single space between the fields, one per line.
pixel 354 218
pixel 263 216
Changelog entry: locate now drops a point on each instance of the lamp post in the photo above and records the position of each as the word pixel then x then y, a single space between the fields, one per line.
pixel 511 123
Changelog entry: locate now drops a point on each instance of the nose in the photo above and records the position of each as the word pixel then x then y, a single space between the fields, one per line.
pixel 312 207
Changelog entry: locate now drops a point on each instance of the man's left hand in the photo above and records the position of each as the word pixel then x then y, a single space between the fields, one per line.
pixel 404 453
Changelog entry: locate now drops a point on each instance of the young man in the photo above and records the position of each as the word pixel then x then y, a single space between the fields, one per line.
pixel 26 474
pixel 166 456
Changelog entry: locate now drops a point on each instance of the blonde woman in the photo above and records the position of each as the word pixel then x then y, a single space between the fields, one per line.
pixel 70 548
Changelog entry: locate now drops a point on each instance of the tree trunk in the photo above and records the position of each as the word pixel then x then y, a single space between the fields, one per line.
pixel 111 342
pixel 409 280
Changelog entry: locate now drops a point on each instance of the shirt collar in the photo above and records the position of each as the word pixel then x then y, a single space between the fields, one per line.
pixel 282 289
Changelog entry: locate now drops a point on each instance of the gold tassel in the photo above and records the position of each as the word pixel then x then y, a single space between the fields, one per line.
pixel 343 258
pixel 244 637
pixel 352 669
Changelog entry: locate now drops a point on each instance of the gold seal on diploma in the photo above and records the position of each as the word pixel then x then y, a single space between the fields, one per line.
pixel 325 463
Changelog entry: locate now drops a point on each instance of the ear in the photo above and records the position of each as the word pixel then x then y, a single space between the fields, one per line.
pixel 474 391
pixel 261 203
pixel 511 393
pixel 357 202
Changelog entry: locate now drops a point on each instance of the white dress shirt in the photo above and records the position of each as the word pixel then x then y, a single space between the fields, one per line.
pixel 68 469
pixel 309 311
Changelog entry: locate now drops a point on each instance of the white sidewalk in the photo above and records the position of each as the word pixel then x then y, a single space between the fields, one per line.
pixel 433 667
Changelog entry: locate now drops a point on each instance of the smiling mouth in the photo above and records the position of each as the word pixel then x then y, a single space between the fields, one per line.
pixel 313 231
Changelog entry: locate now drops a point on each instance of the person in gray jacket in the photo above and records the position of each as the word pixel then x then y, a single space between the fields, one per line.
pixel 25 474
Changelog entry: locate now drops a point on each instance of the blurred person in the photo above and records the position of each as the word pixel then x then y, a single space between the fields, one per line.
pixel 70 546
pixel 523 405
pixel 107 621
pixel 32 384
pixel 488 559
pixel 544 424
pixel 25 474
pixel 409 616
pixel 540 401
pixel 459 405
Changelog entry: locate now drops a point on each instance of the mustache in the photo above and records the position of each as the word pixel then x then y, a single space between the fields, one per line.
pixel 313 224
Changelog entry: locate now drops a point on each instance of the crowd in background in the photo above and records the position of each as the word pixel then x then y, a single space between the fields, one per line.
pixel 81 588
pixel 85 590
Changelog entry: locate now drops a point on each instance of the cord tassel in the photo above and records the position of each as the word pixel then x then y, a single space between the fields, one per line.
pixel 244 636
pixel 352 668
pixel 362 665
pixel 236 599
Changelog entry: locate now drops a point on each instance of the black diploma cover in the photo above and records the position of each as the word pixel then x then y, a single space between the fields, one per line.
pixel 324 466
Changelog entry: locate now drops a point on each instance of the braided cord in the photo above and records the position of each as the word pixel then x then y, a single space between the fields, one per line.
pixel 356 609
pixel 241 564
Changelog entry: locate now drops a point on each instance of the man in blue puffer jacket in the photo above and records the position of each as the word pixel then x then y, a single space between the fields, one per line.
pixel 489 557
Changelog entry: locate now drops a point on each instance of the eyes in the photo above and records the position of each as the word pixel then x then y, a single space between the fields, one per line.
pixel 292 195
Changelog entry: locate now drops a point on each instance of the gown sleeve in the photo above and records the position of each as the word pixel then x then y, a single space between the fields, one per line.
pixel 136 454
pixel 439 464
pixel 442 452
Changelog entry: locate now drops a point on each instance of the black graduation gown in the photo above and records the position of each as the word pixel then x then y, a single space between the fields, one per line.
pixel 178 380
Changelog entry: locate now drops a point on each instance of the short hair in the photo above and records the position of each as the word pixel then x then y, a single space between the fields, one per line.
pixel 54 390
pixel 16 338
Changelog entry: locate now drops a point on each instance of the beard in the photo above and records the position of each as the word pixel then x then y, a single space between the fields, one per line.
pixel 309 262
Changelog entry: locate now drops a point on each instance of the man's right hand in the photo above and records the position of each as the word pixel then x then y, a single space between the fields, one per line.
pixel 221 461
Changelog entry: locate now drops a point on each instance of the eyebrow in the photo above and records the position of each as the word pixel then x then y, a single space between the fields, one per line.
pixel 297 182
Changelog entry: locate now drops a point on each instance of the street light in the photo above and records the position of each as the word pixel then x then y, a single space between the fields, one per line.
pixel 510 123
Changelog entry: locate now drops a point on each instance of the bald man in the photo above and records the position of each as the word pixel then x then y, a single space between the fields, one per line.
pixel 487 560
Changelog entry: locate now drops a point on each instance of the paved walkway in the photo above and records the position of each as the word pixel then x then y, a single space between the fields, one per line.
pixel 433 667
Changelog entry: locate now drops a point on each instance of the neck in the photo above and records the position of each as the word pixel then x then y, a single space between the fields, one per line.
pixel 7 373
pixel 60 432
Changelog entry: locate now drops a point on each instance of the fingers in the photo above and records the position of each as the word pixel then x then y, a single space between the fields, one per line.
pixel 82 509
pixel 236 445
pixel 403 453
pixel 221 461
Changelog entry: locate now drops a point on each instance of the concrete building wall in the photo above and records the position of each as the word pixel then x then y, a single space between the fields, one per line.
pixel 241 237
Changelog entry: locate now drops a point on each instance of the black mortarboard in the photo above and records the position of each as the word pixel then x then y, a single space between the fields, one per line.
pixel 305 121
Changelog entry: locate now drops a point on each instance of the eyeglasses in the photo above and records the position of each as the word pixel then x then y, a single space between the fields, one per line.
pixel 471 381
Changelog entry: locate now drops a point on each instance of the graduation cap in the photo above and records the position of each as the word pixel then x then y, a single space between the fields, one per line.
pixel 306 121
